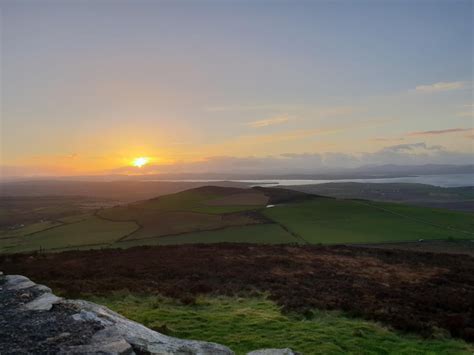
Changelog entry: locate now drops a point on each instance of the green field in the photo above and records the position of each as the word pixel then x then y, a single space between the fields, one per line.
pixel 246 324
pixel 190 201
pixel 90 231
pixel 260 233
pixel 29 229
pixel 184 212
pixel 457 221
pixel 348 221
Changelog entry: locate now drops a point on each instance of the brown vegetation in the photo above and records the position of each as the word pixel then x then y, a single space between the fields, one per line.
pixel 410 291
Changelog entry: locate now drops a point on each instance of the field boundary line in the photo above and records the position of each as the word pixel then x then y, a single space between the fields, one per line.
pixel 196 231
pixel 286 229
pixel 139 226
pixel 61 224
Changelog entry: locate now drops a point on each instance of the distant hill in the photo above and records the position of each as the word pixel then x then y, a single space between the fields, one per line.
pixel 124 191
pixel 427 169
pixel 453 198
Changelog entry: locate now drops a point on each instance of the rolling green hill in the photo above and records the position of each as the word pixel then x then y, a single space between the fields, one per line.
pixel 221 214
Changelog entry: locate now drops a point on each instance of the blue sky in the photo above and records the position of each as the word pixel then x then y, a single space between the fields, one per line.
pixel 89 85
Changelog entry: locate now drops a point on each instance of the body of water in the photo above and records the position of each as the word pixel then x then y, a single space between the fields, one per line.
pixel 447 180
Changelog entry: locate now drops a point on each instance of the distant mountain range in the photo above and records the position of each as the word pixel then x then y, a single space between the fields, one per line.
pixel 363 172
pixel 428 169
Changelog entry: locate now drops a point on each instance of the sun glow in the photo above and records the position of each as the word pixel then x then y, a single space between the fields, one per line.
pixel 141 161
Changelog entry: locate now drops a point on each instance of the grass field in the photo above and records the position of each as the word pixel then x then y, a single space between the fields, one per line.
pixel 188 211
pixel 260 233
pixel 202 200
pixel 29 229
pixel 18 210
pixel 243 199
pixel 92 230
pixel 454 198
pixel 246 324
pixel 215 214
pixel 172 223
pixel 348 221
pixel 459 221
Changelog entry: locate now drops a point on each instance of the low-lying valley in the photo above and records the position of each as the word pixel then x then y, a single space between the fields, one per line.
pixel 264 267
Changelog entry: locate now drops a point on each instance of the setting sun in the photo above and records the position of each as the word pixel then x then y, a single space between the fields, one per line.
pixel 141 161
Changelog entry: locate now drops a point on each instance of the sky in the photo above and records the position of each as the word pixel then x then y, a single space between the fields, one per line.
pixel 198 85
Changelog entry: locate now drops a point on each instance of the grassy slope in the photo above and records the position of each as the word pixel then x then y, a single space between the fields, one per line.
pixel 92 230
pixel 191 201
pixel 194 201
pixel 246 324
pixel 260 233
pixel 346 221
pixel 183 212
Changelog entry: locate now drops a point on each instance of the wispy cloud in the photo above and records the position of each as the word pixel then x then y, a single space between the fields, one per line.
pixel 410 147
pixel 383 139
pixel 297 134
pixel 468 111
pixel 441 131
pixel 335 111
pixel 284 136
pixel 469 114
pixel 441 86
pixel 268 122
pixel 314 110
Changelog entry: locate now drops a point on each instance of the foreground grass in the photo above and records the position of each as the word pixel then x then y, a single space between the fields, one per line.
pixel 246 324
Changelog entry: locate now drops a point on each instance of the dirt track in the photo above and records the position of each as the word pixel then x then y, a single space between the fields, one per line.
pixel 408 290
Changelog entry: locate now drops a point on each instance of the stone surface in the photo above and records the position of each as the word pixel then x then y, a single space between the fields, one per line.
pixel 42 303
pixel 111 346
pixel 33 320
pixel 141 337
pixel 18 282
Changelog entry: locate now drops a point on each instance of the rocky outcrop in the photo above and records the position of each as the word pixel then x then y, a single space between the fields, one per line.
pixel 34 320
